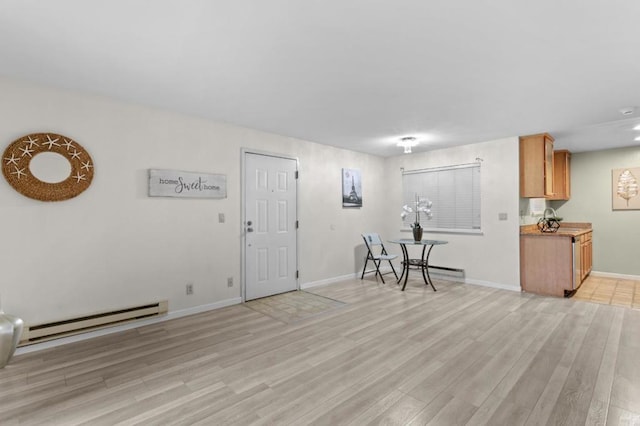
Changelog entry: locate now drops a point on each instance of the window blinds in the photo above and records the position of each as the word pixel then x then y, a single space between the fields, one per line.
pixel 454 191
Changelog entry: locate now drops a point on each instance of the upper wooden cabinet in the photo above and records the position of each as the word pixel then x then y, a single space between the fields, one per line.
pixel 561 175
pixel 536 166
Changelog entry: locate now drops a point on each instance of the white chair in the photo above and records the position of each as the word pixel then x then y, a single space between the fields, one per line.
pixel 376 255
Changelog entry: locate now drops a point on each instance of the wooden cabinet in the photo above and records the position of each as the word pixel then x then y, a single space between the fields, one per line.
pixel 561 175
pixel 546 264
pixel 555 264
pixel 586 255
pixel 536 166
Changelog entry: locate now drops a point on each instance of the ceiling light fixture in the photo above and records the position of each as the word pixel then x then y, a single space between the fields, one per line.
pixel 637 127
pixel 407 143
pixel 637 139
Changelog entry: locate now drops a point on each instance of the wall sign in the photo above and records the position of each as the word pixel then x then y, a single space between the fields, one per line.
pixel 174 183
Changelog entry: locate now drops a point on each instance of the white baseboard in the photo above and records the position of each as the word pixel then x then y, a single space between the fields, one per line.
pixel 383 269
pixel 328 281
pixel 492 285
pixel 614 275
pixel 128 326
pixel 445 277
pixel 449 277
pixel 432 274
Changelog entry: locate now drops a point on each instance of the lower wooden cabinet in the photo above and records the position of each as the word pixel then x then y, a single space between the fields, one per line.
pixel 586 251
pixel 554 265
pixel 546 265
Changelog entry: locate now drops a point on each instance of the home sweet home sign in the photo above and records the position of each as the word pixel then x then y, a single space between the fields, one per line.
pixel 175 183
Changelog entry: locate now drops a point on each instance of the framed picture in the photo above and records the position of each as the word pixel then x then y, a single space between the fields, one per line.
pixel 351 188
pixel 624 189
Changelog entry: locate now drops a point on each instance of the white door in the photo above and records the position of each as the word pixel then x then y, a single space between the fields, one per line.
pixel 270 225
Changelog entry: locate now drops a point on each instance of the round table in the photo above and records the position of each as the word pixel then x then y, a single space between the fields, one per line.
pixel 422 263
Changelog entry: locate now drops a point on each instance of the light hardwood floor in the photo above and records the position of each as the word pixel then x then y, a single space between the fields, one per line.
pixel 462 355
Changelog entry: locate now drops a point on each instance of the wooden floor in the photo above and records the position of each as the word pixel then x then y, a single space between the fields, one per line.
pixel 462 355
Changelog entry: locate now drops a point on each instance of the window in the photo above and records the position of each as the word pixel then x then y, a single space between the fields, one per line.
pixel 454 191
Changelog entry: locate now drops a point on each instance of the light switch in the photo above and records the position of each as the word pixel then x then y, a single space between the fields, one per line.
pixel 502 216
pixel 221 217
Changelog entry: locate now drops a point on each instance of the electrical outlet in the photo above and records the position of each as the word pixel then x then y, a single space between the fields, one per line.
pixel 230 282
pixel 502 216
pixel 189 288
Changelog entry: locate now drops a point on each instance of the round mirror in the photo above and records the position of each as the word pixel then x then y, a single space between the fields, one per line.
pixel 50 167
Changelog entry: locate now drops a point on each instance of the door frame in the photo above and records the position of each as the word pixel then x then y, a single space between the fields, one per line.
pixel 243 218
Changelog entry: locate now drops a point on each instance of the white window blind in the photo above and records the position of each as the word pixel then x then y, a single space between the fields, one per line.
pixel 454 191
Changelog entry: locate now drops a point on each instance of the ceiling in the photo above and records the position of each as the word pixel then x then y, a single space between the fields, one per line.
pixel 357 74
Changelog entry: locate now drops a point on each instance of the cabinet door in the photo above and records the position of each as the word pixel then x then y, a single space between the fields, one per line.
pixel 546 264
pixel 536 166
pixel 577 263
pixel 586 249
pixel 548 166
pixel 561 175
pixel 583 264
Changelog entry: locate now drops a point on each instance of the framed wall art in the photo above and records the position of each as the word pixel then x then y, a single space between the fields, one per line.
pixel 351 188
pixel 624 189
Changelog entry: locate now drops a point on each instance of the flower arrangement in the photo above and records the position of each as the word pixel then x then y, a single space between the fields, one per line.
pixel 420 205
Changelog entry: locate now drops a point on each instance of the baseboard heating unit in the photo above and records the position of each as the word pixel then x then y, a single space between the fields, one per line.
pixel 447 272
pixel 57 329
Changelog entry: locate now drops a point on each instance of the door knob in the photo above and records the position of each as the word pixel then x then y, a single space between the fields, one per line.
pixel 249 229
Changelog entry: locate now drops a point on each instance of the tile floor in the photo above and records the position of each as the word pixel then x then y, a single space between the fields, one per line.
pixel 294 306
pixel 610 291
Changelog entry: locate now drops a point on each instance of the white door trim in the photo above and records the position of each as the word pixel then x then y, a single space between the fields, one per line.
pixel 243 233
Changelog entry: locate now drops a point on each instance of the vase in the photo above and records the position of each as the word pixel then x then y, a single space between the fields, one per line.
pixel 417 233
pixel 10 331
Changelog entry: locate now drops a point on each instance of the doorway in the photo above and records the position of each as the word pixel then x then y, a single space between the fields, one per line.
pixel 270 225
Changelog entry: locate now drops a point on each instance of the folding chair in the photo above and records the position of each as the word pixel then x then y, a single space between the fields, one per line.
pixel 371 240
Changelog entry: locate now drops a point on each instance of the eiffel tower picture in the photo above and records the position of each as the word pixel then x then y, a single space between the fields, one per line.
pixel 351 188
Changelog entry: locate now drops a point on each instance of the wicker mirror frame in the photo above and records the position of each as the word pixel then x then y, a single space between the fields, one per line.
pixel 17 158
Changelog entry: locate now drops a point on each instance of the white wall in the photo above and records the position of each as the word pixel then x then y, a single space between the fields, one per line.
pixel 493 257
pixel 113 246
pixel 527 215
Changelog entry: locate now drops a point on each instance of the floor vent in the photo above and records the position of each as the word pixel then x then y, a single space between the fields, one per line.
pixel 57 329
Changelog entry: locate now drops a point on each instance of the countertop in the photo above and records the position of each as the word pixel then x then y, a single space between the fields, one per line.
pixel 567 229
